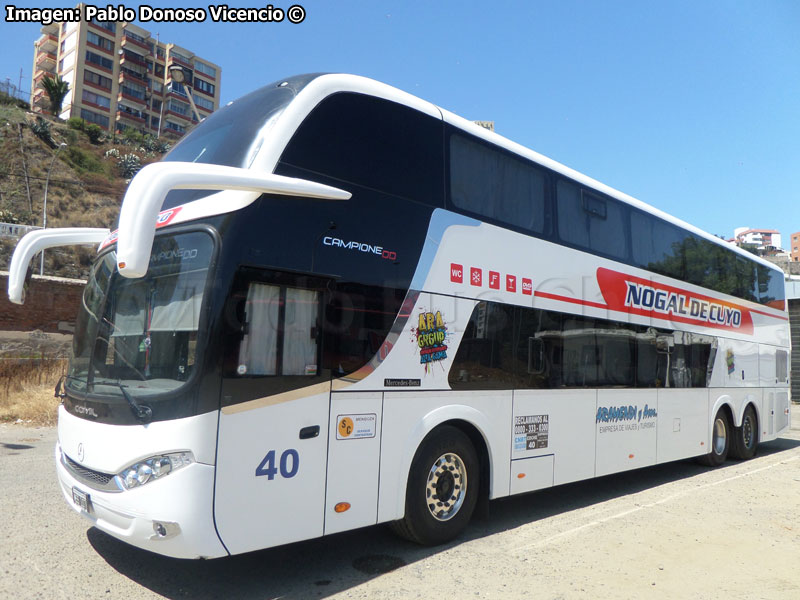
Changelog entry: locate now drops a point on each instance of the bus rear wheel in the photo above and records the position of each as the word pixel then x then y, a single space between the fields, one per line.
pixel 720 441
pixel 745 438
pixel 442 489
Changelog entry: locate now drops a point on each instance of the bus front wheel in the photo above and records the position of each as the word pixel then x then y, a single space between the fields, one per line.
pixel 720 441
pixel 442 489
pixel 745 438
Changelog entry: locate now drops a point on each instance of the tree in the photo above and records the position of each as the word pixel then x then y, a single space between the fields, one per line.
pixel 56 89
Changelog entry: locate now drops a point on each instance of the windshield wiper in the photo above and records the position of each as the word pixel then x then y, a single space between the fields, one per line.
pixel 62 393
pixel 142 412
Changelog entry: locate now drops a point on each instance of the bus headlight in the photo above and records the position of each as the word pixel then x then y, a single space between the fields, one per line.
pixel 152 468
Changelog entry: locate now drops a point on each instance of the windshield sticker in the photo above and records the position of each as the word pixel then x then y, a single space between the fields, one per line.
pixel 179 253
pixel 165 217
pixel 430 336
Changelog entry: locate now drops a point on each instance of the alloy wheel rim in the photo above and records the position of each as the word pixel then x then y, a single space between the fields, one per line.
pixel 446 487
pixel 747 432
pixel 720 436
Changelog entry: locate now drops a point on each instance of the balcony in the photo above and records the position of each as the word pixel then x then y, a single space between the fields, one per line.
pixel 47 43
pixel 51 29
pixel 177 115
pixel 180 60
pixel 46 61
pixel 132 57
pixel 129 40
pixel 40 98
pixel 133 116
pixel 131 96
pixel 134 76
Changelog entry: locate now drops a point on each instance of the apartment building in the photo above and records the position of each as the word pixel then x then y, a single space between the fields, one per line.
pixel 762 238
pixel 794 247
pixel 119 77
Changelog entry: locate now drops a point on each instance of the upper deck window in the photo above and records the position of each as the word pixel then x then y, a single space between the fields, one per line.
pixel 372 143
pixel 589 221
pixel 487 182
pixel 657 245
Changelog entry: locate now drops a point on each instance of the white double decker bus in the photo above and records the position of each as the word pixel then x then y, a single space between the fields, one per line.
pixel 334 305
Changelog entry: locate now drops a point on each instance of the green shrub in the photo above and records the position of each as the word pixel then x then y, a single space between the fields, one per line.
pixel 83 161
pixel 129 165
pixel 71 136
pixel 75 123
pixel 131 137
pixel 94 132
pixel 42 130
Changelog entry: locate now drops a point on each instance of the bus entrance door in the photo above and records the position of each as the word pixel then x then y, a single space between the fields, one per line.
pixel 270 483
pixel 272 450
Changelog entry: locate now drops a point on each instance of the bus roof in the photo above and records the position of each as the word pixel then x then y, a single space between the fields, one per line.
pixel 310 91
pixel 326 84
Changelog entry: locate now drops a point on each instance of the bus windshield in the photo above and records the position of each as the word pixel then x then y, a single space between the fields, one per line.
pixel 141 333
pixel 233 135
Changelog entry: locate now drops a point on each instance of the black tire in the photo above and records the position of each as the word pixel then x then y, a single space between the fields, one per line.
pixel 745 438
pixel 442 489
pixel 720 440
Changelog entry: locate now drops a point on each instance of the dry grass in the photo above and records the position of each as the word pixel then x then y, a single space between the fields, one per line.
pixel 26 390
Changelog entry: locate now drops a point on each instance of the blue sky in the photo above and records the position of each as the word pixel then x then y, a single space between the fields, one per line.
pixel 691 106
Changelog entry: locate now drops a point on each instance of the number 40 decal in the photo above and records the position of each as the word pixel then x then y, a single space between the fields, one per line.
pixel 287 470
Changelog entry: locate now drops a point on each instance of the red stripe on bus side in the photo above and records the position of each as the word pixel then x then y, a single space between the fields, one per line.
pixel 571 300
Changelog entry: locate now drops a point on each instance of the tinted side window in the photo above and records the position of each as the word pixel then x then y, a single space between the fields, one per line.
pixel 589 221
pixel 552 350
pixel 657 245
pixel 372 143
pixel 356 322
pixel 771 288
pixel 485 358
pixel 488 182
pixel 747 279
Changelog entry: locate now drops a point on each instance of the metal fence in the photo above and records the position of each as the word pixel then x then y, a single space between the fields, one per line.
pixel 15 92
pixel 13 230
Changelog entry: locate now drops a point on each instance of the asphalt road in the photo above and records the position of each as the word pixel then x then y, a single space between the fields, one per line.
pixel 671 531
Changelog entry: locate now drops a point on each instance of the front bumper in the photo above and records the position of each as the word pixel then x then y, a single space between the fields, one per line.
pixel 172 516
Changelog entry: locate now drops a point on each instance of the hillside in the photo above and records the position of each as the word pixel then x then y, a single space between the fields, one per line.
pixel 86 185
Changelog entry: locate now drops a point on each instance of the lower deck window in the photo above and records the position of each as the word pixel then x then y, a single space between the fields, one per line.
pixel 281 331
pixel 507 347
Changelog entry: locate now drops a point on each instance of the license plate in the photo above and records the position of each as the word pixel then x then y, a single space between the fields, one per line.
pixel 82 499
